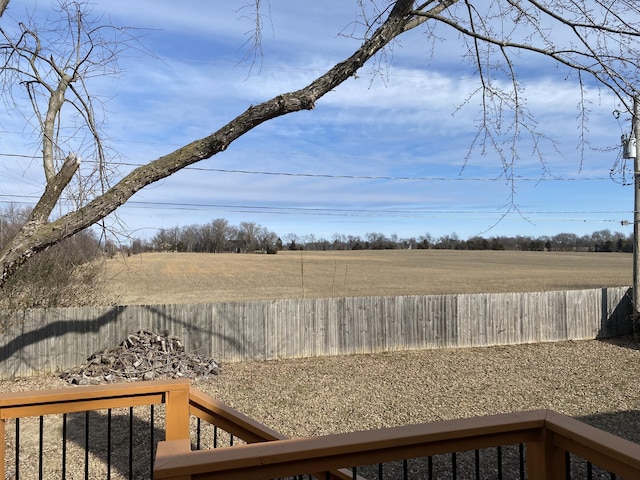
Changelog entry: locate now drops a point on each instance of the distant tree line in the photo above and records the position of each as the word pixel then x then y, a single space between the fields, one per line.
pixel 217 236
pixel 69 273
pixel 220 236
pixel 600 241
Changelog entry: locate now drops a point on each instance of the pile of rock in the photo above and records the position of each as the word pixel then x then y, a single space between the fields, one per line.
pixel 142 355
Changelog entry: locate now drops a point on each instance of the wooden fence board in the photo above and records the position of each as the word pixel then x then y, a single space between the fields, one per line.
pixel 49 340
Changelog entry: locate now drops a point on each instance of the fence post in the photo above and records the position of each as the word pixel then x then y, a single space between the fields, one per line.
pixel 177 413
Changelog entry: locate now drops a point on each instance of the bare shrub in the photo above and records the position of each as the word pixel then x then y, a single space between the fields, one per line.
pixel 63 275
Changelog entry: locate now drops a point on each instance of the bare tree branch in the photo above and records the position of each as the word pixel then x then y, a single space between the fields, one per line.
pixel 55 185
pixel 3 6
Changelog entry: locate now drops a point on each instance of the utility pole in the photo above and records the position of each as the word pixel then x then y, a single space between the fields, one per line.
pixel 636 216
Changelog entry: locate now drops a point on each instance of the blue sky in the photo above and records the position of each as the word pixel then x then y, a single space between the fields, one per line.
pixel 380 154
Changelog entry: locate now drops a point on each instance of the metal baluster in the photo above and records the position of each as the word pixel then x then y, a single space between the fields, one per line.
pixel 152 442
pixel 231 440
pixel 354 473
pixel 567 457
pixel 499 463
pixel 40 446
pixel 17 449
pixel 405 469
pixel 430 467
pixel 477 462
pixel 64 445
pixel 589 471
pixel 215 436
pixel 380 473
pixel 86 445
pixel 198 433
pixel 130 443
pixel 109 444
pixel 521 460
pixel 454 466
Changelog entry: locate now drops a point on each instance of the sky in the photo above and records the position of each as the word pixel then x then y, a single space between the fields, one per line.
pixel 386 152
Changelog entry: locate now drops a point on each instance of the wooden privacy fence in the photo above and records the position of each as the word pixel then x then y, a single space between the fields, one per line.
pixel 50 340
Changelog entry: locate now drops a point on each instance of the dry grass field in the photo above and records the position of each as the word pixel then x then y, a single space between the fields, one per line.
pixel 161 278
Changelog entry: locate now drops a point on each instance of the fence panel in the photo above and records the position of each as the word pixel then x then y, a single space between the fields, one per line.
pixel 49 340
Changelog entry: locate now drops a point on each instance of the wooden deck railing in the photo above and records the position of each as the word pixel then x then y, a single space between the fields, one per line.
pixel 217 413
pixel 174 394
pixel 180 400
pixel 546 437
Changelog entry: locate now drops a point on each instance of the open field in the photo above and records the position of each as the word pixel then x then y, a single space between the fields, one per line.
pixel 162 278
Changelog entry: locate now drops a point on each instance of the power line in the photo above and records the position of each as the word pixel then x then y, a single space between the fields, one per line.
pixel 389 177
pixel 367 210
pixel 17 155
pixel 359 177
pixel 353 212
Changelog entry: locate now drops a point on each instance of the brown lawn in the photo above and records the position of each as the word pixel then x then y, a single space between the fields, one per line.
pixel 155 278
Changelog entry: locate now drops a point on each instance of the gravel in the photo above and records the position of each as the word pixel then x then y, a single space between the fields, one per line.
pixel 594 381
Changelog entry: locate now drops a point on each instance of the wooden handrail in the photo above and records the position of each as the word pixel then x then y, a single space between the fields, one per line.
pixel 547 435
pixel 604 449
pixel 322 453
pixel 217 413
pixel 75 399
pixel 173 393
pixel 179 398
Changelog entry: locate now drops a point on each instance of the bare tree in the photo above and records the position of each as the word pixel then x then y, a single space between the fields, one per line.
pixel 596 41
pixel 249 236
pixel 292 240
pixel 66 274
pixel 53 63
pixel 220 231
